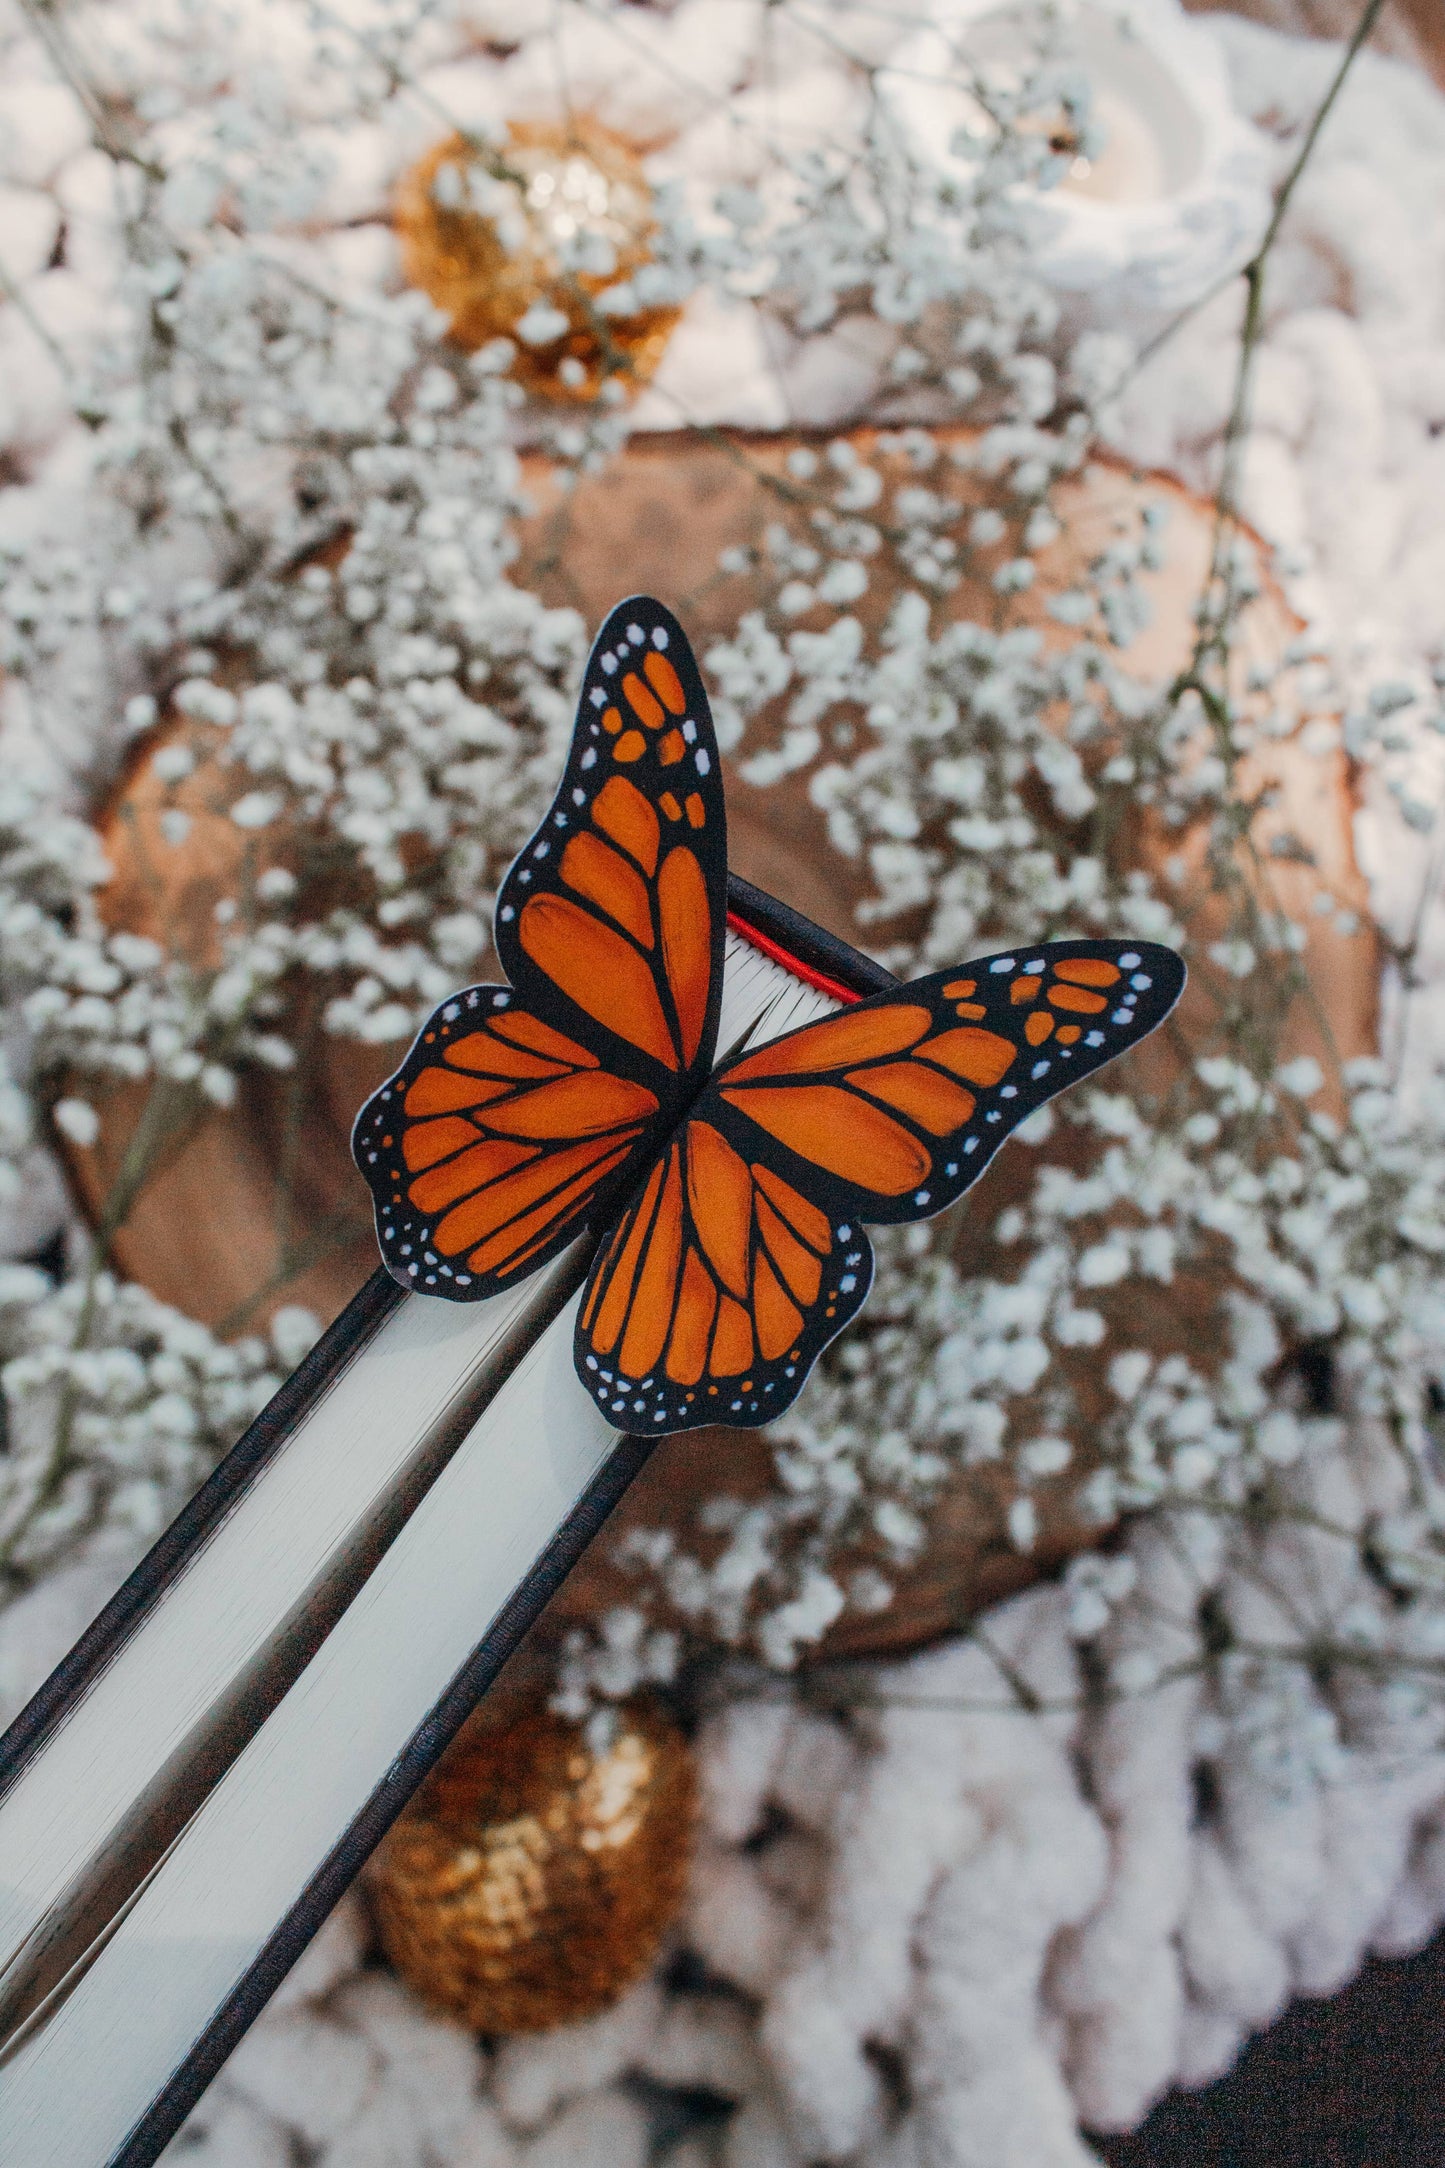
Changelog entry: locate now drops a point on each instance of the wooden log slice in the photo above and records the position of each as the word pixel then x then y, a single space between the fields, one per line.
pixel 258 1203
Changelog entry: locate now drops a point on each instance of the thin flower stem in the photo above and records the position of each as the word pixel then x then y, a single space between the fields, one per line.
pixel 1219 601
pixel 1283 194
pixel 50 27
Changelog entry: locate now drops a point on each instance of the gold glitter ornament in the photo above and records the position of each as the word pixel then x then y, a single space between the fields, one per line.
pixel 521 242
pixel 533 1877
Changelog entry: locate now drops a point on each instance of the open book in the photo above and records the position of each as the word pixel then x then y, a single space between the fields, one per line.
pixel 191 1792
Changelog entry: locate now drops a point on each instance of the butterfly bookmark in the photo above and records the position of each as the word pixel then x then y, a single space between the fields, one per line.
pixel 724 1194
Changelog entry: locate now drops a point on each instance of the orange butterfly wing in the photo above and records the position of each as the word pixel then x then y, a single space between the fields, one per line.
pixel 491 1144
pixel 612 921
pixel 744 1253
pixel 523 1112
pixel 716 1291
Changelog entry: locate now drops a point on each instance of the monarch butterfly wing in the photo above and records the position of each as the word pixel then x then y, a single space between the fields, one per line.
pixel 521 1112
pixel 893 1108
pixel 717 1290
pixel 744 1256
pixel 612 921
pixel 491 1146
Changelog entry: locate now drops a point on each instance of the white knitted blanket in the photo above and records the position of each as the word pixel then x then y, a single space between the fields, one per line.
pixel 952 1933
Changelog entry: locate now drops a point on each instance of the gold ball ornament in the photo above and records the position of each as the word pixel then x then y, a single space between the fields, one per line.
pixel 522 242
pixel 533 1877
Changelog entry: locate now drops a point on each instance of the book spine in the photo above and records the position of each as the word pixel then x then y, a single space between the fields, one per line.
pixel 338 1346
pixel 340 1868
pixel 814 956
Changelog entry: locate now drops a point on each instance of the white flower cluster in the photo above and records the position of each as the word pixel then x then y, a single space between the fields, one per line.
pixel 990 774
pixel 116 1406
pixel 391 720
pixel 984 773
pixel 1283 1257
pixel 278 536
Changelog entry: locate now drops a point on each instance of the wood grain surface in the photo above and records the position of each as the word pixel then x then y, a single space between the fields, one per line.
pixel 258 1204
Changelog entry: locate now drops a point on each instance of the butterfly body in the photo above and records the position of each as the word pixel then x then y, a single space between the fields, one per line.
pixel 728 1202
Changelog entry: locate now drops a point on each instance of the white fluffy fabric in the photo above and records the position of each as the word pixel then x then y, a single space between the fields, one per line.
pixel 921 1942
pixel 945 1930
